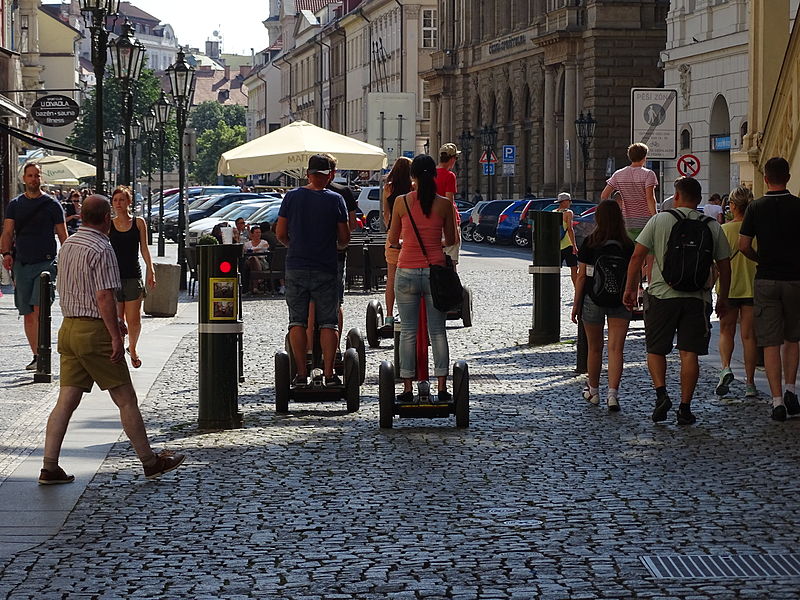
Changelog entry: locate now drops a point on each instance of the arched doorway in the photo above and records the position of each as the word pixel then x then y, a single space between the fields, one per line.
pixel 719 162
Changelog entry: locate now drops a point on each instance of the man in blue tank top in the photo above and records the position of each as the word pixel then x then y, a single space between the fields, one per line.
pixel 312 223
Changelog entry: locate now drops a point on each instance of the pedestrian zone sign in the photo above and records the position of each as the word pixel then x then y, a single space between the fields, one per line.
pixel 485 159
pixel 654 121
pixel 488 168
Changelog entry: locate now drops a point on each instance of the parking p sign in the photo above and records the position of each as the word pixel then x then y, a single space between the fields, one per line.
pixel 509 155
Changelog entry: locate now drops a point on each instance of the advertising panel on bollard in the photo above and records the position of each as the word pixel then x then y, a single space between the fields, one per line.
pixel 219 329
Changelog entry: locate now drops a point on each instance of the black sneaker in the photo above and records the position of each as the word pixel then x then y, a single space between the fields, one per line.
pixel 31 366
pixel 792 405
pixel 779 413
pixel 406 398
pixel 686 417
pixel 444 397
pixel 663 404
pixel 333 381
pixel 300 381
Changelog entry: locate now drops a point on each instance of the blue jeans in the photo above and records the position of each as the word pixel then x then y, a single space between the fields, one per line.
pixel 410 285
pixel 304 286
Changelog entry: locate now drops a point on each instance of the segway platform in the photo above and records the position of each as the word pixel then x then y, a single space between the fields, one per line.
pixel 424 405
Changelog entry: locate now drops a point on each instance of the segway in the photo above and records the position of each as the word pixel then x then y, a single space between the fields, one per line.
pixel 464 310
pixel 376 330
pixel 423 404
pixel 346 366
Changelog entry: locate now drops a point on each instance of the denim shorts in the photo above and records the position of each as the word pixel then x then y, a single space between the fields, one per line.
pixel 26 284
pixel 593 314
pixel 304 286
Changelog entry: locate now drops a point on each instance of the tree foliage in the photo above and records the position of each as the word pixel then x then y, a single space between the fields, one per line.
pixel 207 115
pixel 210 146
pixel 145 93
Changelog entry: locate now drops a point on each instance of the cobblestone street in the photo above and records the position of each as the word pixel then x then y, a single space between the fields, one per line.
pixel 544 496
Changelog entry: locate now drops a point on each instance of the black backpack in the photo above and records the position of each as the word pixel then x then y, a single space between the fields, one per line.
pixel 609 276
pixel 689 255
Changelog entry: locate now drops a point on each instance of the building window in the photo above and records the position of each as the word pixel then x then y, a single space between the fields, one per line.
pixel 430 28
pixel 686 140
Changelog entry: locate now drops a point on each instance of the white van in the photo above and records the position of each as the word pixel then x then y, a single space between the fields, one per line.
pixel 369 203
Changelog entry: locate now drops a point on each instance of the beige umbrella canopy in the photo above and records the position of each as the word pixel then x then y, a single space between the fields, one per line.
pixel 56 169
pixel 288 149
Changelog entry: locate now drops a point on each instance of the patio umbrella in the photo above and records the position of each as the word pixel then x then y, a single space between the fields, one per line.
pixel 61 168
pixel 288 149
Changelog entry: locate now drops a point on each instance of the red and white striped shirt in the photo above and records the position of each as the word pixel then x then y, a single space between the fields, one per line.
pixel 632 183
pixel 86 264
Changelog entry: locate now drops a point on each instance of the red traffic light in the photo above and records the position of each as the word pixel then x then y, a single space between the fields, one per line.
pixel 225 266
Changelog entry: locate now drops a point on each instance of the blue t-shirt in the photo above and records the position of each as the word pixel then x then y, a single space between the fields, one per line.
pixel 36 242
pixel 313 217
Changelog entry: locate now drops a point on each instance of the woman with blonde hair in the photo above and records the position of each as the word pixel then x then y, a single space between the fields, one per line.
pixel 740 301
pixel 128 236
pixel 398 183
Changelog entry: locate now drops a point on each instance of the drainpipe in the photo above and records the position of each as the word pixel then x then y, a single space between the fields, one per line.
pixel 320 43
pixel 369 28
pixel 341 32
pixel 400 48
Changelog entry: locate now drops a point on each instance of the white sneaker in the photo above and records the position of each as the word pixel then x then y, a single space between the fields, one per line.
pixel 613 404
pixel 591 398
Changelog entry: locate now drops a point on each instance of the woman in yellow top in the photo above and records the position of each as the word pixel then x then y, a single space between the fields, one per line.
pixel 569 250
pixel 740 301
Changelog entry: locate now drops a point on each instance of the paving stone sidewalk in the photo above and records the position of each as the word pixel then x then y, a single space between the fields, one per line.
pixel 544 496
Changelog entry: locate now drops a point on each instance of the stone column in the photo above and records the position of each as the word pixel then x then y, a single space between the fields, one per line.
pixel 570 114
pixel 435 126
pixel 447 120
pixel 549 175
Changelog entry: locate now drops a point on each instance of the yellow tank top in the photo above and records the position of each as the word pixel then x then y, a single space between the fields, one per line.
pixel 743 270
pixel 565 241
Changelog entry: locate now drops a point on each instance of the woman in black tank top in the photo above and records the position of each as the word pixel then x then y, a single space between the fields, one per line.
pixel 129 239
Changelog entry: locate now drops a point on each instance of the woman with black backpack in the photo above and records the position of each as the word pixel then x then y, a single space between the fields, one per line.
pixel 602 267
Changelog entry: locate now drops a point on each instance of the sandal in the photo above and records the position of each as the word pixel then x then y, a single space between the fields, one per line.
pixel 135 362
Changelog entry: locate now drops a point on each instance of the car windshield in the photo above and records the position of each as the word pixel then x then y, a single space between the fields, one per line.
pixel 242 211
pixel 208 203
pixel 258 216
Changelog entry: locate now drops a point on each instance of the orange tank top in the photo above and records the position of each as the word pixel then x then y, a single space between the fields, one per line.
pixel 430 230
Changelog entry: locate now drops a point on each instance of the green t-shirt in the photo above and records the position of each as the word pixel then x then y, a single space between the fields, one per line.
pixel 654 237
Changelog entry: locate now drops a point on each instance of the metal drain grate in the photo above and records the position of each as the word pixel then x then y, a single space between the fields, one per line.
pixel 740 566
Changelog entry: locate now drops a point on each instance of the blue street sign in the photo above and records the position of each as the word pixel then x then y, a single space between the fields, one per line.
pixel 509 154
pixel 488 169
pixel 408 153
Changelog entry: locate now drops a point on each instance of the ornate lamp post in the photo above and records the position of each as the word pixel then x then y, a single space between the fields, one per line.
pixel 466 139
pixel 127 56
pixel 95 14
pixel 584 126
pixel 489 139
pixel 150 129
pixel 162 108
pixel 427 145
pixel 181 79
pixel 108 148
pixel 135 134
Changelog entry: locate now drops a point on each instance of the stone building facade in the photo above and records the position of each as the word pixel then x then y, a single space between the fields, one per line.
pixel 529 68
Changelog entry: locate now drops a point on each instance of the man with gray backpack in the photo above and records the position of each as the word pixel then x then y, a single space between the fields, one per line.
pixel 685 245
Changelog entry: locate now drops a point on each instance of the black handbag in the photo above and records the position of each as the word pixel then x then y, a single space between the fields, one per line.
pixel 446 286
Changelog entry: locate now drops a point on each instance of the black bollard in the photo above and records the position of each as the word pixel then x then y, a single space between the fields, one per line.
pixel 44 350
pixel 219 328
pixel 546 271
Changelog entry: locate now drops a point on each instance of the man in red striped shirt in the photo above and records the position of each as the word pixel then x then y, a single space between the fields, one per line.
pixel 91 341
pixel 636 184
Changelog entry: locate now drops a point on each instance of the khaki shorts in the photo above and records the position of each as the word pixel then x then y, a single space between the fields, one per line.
pixel 132 289
pixel 85 347
pixel 776 311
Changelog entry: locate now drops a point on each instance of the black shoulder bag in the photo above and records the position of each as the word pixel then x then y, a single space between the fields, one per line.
pixel 445 285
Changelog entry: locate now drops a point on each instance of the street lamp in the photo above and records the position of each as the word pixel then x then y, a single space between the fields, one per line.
pixel 150 129
pixel 95 13
pixel 136 132
pixel 584 126
pixel 427 145
pixel 466 139
pixel 162 110
pixel 127 57
pixel 181 77
pixel 489 139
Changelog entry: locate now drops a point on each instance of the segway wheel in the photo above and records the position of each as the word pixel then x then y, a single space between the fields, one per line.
pixel 386 395
pixel 466 307
pixel 282 382
pixel 374 322
pixel 352 380
pixel 356 340
pixel 461 393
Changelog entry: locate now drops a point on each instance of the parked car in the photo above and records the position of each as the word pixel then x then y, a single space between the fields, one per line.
pixel 369 203
pixel 243 209
pixel 469 220
pixel 487 222
pixel 524 233
pixel 508 221
pixel 206 209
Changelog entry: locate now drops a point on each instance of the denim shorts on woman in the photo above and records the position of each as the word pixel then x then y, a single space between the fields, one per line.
pixel 596 315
